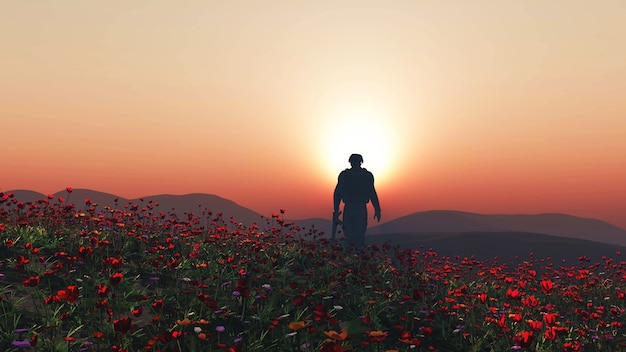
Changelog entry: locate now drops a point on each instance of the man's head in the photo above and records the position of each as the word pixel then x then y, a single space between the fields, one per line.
pixel 355 160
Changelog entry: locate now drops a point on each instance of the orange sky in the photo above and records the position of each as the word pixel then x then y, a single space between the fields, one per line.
pixel 483 106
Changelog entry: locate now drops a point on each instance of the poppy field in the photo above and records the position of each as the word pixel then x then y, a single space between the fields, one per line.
pixel 131 277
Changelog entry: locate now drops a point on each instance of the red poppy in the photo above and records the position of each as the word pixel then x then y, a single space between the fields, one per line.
pixel 21 260
pixel 524 338
pixel 71 294
pixel 116 278
pixel 297 301
pixel 530 301
pixel 102 290
pixel 549 319
pixel 332 347
pixel 547 286
pixel 514 294
pixel 137 311
pixel 112 262
pixel 158 304
pixel 535 324
pixel 84 251
pixel 31 281
pixel 122 325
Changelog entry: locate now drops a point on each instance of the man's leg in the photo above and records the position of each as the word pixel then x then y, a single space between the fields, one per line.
pixel 355 223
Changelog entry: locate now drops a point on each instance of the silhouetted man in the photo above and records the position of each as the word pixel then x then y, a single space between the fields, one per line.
pixel 356 188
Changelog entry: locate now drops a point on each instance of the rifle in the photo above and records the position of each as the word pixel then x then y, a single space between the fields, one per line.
pixel 336 222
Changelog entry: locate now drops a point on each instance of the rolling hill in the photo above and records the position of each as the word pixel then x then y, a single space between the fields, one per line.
pixel 506 246
pixel 550 224
pixel 167 203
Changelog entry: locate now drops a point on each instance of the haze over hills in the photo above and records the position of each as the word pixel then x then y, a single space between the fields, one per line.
pixel 448 232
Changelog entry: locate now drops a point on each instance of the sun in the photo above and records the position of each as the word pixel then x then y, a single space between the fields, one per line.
pixel 361 130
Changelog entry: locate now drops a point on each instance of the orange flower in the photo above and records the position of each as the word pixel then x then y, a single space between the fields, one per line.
pixel 336 336
pixel 297 325
pixel 185 321
pixel 376 333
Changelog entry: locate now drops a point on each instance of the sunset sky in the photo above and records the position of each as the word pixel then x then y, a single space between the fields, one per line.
pixel 482 106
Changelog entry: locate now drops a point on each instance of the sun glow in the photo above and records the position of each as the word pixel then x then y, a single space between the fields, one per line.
pixel 362 130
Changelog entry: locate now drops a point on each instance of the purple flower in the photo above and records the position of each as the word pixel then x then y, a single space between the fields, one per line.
pixel 236 293
pixel 20 343
pixel 220 328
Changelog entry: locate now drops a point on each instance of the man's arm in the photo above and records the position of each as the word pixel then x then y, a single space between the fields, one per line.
pixel 336 199
pixel 336 212
pixel 375 202
pixel 337 194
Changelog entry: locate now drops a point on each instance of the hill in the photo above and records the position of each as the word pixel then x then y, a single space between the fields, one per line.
pixel 180 204
pixel 196 203
pixel 506 246
pixel 550 224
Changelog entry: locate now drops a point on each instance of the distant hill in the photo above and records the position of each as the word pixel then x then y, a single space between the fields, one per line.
pixel 507 246
pixel 197 202
pixel 26 196
pixel 167 203
pixel 438 221
pixel 77 197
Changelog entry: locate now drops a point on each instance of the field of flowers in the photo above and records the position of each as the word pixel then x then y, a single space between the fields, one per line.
pixel 132 278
